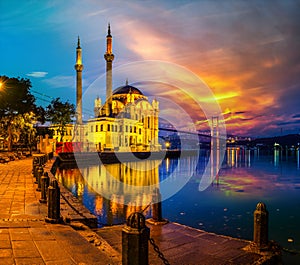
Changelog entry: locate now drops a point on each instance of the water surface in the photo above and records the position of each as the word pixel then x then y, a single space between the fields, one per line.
pixel 225 207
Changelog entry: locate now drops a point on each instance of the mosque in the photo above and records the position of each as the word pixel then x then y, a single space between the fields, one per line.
pixel 126 122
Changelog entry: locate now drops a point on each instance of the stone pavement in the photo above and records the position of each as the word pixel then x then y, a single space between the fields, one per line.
pixel 183 245
pixel 25 238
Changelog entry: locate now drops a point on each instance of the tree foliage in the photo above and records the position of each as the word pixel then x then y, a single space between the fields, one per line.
pixel 17 108
pixel 15 97
pixel 19 113
pixel 60 113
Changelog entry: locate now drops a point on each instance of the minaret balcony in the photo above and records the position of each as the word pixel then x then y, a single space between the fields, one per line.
pixel 109 57
pixel 78 67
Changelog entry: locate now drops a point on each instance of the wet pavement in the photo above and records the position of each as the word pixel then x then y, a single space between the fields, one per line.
pixel 181 244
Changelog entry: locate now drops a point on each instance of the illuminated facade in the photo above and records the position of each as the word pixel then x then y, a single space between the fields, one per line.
pixel 127 121
pixel 68 135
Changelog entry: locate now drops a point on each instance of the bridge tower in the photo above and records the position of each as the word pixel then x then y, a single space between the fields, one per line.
pixel 214 149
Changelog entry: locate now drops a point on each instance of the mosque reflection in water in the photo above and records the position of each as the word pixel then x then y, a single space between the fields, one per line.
pixel 115 206
pixel 101 189
pixel 120 200
pixel 110 180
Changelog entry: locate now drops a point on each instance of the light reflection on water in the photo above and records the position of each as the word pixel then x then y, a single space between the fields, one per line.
pixel 226 207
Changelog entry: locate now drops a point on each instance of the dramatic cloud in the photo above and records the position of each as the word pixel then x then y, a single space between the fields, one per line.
pixel 247 52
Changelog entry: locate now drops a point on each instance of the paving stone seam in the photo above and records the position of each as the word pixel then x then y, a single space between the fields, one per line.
pixel 21 220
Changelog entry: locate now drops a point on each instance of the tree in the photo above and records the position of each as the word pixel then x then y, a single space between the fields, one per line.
pixel 27 132
pixel 60 113
pixel 16 102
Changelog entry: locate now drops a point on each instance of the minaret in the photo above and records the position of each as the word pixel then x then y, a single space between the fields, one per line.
pixel 78 67
pixel 109 57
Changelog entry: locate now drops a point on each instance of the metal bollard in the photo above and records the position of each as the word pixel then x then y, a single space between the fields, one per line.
pixel 35 173
pixel 43 159
pixel 157 218
pixel 38 159
pixel 156 206
pixel 39 176
pixel 35 169
pixel 34 164
pixel 135 237
pixel 44 187
pixel 260 235
pixel 53 202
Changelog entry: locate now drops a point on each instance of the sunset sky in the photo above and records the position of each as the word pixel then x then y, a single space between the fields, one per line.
pixel 247 52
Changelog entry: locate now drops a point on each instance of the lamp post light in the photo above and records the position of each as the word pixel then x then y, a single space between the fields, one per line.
pixel 168 145
pixel 1 85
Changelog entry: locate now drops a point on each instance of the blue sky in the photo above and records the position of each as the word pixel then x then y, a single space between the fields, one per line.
pixel 247 52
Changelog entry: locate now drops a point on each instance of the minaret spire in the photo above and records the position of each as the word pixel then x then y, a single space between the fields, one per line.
pixel 78 43
pixel 78 67
pixel 108 31
pixel 109 57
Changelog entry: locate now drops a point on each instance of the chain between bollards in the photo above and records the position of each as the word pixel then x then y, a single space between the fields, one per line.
pixel 157 250
pixel 135 237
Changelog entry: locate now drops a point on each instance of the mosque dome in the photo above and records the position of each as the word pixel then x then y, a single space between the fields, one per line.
pixel 127 89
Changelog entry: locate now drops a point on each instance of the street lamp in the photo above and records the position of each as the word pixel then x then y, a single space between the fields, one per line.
pixel 168 145
pixel 2 84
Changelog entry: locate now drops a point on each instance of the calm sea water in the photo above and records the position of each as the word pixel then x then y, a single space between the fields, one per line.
pixel 225 207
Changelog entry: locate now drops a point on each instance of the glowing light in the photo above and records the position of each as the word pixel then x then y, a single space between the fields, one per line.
pixel 2 84
pixel 167 145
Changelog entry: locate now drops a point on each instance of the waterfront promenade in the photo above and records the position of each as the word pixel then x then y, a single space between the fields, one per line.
pixel 25 237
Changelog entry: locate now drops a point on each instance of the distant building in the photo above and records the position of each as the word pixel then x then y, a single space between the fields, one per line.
pixel 67 134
